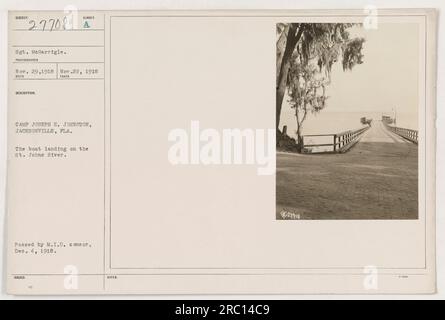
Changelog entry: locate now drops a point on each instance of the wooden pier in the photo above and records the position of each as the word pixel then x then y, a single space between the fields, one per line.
pixel 409 134
pixel 341 142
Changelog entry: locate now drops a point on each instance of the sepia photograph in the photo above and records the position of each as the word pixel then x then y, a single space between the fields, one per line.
pixel 347 98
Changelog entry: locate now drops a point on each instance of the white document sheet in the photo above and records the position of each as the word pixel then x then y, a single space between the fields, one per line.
pixel 222 152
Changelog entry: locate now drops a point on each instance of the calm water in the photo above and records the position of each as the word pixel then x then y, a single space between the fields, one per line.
pixel 335 122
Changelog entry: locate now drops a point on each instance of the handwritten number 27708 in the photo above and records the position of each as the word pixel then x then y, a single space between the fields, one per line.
pixel 49 24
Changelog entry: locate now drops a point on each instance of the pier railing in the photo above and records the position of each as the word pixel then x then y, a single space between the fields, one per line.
pixel 408 134
pixel 340 142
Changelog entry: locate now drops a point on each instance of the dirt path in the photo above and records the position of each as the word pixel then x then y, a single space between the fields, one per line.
pixel 376 179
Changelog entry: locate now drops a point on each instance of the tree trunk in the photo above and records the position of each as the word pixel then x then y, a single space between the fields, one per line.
pixel 300 126
pixel 292 39
pixel 299 138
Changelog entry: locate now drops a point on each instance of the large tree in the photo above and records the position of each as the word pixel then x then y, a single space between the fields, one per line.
pixel 311 49
pixel 288 37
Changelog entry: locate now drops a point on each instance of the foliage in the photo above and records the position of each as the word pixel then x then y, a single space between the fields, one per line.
pixel 319 47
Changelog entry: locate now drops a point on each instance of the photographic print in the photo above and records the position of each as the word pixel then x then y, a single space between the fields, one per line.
pixel 347 101
pixel 144 156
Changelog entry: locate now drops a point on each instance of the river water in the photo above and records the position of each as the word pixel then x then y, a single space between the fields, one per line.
pixel 327 122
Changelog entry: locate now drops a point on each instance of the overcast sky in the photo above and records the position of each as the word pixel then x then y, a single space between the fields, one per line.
pixel 387 79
